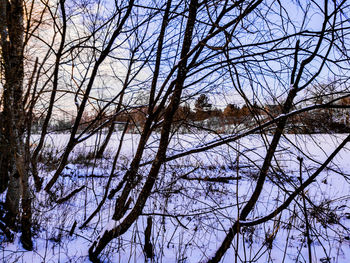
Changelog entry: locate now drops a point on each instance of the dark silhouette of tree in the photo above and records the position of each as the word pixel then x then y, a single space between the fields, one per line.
pixel 14 156
pixel 139 67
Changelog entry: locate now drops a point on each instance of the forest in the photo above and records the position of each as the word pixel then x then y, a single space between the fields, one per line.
pixel 174 131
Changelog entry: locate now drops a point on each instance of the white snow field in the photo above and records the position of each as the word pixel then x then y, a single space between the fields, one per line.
pixel 191 213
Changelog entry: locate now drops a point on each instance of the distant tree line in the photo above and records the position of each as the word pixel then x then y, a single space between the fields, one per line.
pixel 319 120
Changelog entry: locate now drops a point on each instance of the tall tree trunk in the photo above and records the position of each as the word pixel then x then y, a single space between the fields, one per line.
pixel 4 155
pixel 16 158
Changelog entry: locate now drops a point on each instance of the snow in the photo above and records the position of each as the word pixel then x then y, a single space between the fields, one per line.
pixel 191 217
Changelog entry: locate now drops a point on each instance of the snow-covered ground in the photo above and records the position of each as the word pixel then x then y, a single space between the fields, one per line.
pixel 191 217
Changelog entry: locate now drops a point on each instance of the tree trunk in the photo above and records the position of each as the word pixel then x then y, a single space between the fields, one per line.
pixel 16 158
pixel 121 228
pixel 103 147
pixel 4 156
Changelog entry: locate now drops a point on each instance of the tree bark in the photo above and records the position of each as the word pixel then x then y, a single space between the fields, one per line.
pixel 16 158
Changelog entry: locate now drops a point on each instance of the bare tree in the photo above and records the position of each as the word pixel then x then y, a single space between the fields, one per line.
pixel 134 64
pixel 15 160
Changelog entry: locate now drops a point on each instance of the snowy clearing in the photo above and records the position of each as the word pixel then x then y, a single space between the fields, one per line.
pixel 190 210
